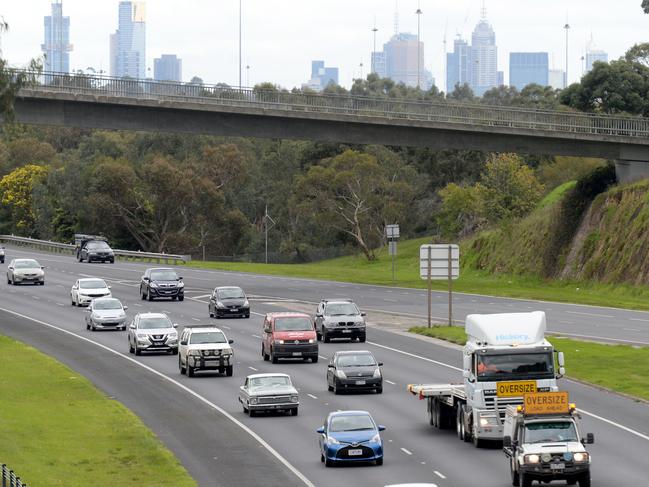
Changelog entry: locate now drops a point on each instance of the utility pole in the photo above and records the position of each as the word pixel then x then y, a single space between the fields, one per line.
pixel 239 44
pixel 567 27
pixel 419 12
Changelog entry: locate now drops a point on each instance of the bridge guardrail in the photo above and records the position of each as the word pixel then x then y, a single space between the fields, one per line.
pixel 59 247
pixel 565 122
pixel 10 479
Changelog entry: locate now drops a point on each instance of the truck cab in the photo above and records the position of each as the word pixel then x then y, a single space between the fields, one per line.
pixel 543 443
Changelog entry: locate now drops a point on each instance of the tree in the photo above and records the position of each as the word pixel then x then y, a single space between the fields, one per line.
pixel 16 193
pixel 645 6
pixel 461 93
pixel 459 214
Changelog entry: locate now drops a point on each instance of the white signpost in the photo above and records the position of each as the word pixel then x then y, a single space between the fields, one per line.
pixel 392 233
pixel 440 262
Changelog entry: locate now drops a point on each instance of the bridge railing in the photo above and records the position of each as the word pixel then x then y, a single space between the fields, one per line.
pixel 10 479
pixel 58 247
pixel 567 122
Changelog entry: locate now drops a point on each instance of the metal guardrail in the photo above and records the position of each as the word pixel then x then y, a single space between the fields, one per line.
pixel 126 255
pixel 9 478
pixel 563 122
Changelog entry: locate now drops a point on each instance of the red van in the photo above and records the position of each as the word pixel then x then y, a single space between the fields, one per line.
pixel 289 335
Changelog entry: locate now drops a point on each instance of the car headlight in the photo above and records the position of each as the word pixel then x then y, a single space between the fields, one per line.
pixel 376 438
pixel 377 373
pixel 279 342
pixel 181 284
pixel 531 458
pixel 246 303
pixel 194 353
pixel 173 334
pixel 581 457
pixel 226 352
pixel 142 336
pixel 311 340
pixel 488 421
pixel 294 398
pixel 340 374
pixel 219 304
pixel 333 441
pixel 152 284
pixel 253 400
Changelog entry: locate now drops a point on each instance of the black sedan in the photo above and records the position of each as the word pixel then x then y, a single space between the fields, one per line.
pixel 228 301
pixel 354 371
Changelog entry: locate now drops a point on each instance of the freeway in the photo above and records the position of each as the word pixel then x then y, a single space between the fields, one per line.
pixel 197 420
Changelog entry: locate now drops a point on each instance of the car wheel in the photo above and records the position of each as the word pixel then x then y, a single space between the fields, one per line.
pixel 181 298
pixel 229 370
pixel 87 326
pixel 180 366
pixel 245 409
pixel 314 359
pixel 142 294
pixel 247 315
pixel 329 463
pixel 325 337
pixel 293 412
pixel 321 458
pixel 329 387
pixel 130 347
pixel 92 327
pixel 112 261
pixel 335 387
pixel 525 480
pixel 72 301
pixel 190 370
pixel 361 338
pixel 584 480
pixel 273 357
pixel 174 351
pixel 149 297
pixel 210 312
pixel 379 461
pixel 379 390
pixel 252 413
pixel 138 351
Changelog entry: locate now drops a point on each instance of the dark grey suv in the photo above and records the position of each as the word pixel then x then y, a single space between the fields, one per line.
pixel 354 370
pixel 162 282
pixel 339 318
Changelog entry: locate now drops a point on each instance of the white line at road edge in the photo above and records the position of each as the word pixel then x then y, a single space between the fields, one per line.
pixel 263 443
pixel 593 415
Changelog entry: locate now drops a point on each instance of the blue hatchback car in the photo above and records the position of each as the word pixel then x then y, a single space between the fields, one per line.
pixel 350 436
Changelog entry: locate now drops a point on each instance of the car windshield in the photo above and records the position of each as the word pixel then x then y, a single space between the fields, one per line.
pixel 547 432
pixel 234 293
pixel 207 337
pixel 26 264
pixel 351 423
pixel 355 360
pixel 273 381
pixel 296 323
pixel 92 284
pixel 339 309
pixel 164 276
pixel 106 304
pixel 154 322
pixel 515 366
pixel 97 245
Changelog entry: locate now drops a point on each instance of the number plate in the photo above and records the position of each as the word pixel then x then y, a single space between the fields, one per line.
pixel 297 354
pixel 360 382
pixel 355 453
pixel 347 331
pixel 557 466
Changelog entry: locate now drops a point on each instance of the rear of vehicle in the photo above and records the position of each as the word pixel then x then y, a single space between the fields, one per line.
pixel 289 335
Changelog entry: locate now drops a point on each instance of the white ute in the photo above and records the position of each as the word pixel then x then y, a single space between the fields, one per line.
pixel 505 356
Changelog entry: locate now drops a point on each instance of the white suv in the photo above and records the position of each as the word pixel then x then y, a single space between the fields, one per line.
pixel 152 332
pixel 205 348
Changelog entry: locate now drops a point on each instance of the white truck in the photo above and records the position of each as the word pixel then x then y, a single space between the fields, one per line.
pixel 541 441
pixel 505 356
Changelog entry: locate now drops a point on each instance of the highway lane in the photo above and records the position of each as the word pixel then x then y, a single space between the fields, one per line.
pixel 579 321
pixel 414 450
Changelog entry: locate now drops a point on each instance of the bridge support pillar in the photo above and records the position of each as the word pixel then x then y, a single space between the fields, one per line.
pixel 632 164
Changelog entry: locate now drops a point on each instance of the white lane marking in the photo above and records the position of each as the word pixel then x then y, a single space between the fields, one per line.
pixel 612 423
pixel 439 474
pixel 36 297
pixel 312 396
pixel 391 300
pixel 567 322
pixel 196 319
pixel 252 368
pixel 245 428
pixel 390 382
pixel 323 358
pixel 589 314
pixel 639 319
pixel 256 336
pixel 201 296
pixel 60 304
pixel 596 337
pixel 631 329
pixel 407 452
pixel 226 327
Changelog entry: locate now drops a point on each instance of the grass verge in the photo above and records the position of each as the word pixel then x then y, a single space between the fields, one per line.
pixel 358 270
pixel 620 368
pixel 56 428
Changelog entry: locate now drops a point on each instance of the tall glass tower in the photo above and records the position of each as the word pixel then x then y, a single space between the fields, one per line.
pixel 484 57
pixel 56 45
pixel 128 43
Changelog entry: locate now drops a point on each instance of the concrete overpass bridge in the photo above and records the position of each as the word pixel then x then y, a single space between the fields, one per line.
pixel 103 102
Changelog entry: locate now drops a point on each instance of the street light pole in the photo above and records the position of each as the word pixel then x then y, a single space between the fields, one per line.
pixel 239 44
pixel 374 30
pixel 247 75
pixel 567 27
pixel 418 12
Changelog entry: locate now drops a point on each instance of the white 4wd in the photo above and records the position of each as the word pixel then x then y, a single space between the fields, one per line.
pixel 205 348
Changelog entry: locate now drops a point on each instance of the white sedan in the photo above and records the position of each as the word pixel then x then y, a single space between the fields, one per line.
pixel 21 271
pixel 87 289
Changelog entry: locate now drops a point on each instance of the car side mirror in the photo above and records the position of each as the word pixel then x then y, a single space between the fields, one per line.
pixel 318 315
pixel 42 267
pixel 11 268
pixel 125 307
pixel 561 359
pixel 507 441
pixel 175 325
pixel 267 329
pixel 230 341
pixel 88 309
pixel 183 342
pixel 363 313
pixel 380 364
pixel 110 287
pixel 320 430
pixel 330 366
pixel 180 278
pixel 466 374
pixel 381 427
pixel 145 278
pixel 590 438
pixel 132 327
pixel 562 371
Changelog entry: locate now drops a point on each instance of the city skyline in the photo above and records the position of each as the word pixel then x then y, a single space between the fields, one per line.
pixel 206 38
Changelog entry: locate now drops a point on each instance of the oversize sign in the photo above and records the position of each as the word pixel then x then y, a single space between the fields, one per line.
pixel 509 389
pixel 546 403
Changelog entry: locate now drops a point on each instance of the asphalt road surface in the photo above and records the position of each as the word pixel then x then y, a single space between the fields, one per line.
pixel 201 420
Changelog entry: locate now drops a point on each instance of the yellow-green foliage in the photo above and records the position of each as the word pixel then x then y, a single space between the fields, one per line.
pixel 16 189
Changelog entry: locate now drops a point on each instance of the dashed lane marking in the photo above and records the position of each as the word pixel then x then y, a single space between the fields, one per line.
pixel 439 474
pixel 590 314
pixel 312 396
pixel 407 452
pixel 390 382
pixel 256 336
pixel 252 368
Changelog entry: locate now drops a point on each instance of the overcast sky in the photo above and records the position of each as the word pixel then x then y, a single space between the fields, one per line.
pixel 281 37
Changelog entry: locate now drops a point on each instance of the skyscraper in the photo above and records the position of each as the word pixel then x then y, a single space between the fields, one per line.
pixel 528 67
pixel 595 55
pixel 128 43
pixel 56 46
pixel 168 67
pixel 484 57
pixel 557 79
pixel 321 76
pixel 457 65
pixel 378 64
pixel 401 63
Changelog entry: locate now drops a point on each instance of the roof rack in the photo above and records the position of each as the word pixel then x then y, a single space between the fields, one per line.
pixel 344 300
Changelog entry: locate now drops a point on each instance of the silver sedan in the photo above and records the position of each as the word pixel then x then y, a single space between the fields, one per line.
pixel 106 314
pixel 21 271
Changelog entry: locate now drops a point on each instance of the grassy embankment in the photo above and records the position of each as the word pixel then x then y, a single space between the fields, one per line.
pixel 56 428
pixel 625 370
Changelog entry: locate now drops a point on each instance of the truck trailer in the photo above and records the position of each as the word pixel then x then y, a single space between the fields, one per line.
pixel 506 355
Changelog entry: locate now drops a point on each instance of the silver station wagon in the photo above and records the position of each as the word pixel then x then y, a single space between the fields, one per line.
pixel 268 392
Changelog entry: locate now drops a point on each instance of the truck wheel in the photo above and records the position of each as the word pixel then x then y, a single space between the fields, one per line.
pixel 362 338
pixel 252 413
pixel 138 351
pixel 329 463
pixel 314 359
pixel 264 354
pixel 525 480
pixel 293 412
pixel 229 370
pixel 584 480
pixel 515 480
pixel 190 370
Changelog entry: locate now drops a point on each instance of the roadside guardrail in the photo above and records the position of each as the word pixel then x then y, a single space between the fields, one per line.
pixel 9 478
pixel 63 248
